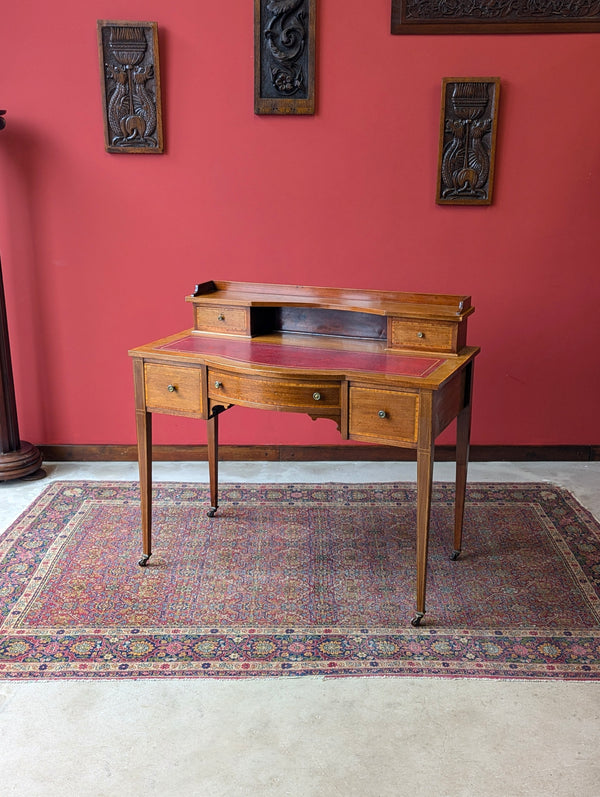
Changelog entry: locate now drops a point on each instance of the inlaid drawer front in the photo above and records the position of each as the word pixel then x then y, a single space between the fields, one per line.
pixel 173 389
pixel 423 335
pixel 384 414
pixel 223 318
pixel 312 397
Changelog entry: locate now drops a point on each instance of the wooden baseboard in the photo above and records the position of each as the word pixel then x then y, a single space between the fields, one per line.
pixel 333 453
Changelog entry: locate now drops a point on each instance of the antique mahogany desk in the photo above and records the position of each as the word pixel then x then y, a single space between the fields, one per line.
pixel 390 368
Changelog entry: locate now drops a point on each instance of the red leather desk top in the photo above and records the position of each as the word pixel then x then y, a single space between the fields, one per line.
pixel 306 357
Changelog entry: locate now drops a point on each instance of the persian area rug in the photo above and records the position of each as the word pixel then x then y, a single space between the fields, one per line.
pixel 299 580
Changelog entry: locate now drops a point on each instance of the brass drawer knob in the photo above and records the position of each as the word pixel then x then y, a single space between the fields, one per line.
pixel 420 334
pixel 218 384
pixel 171 388
pixel 382 413
pixel 317 396
pixel 220 317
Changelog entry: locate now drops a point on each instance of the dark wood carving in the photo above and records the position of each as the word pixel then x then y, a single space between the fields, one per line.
pixel 467 141
pixel 284 56
pixel 495 16
pixel 130 77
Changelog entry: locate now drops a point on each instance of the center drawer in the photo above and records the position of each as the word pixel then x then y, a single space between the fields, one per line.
pixel 313 397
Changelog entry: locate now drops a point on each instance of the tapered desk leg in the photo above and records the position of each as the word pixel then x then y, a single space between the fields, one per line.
pixel 213 462
pixel 144 443
pixel 424 489
pixel 425 455
pixel 463 436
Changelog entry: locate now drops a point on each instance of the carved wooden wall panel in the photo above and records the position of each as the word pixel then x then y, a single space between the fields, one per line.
pixel 130 79
pixel 467 141
pixel 495 16
pixel 284 56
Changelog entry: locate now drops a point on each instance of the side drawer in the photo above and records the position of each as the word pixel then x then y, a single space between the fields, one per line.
pixel 423 335
pixel 172 389
pixel 229 319
pixel 383 415
pixel 256 391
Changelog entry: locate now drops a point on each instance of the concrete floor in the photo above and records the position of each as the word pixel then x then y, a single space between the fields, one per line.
pixel 361 737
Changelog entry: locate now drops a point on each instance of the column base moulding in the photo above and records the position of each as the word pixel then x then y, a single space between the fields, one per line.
pixel 316 453
pixel 24 463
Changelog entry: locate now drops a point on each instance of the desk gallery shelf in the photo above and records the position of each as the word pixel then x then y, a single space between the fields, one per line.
pixel 411 321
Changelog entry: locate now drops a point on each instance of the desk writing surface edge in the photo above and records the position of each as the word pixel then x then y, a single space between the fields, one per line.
pixel 153 352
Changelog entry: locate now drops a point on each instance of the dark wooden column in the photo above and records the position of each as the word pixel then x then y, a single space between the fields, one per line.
pixel 18 459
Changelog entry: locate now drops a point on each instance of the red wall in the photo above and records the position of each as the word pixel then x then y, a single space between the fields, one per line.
pixel 99 250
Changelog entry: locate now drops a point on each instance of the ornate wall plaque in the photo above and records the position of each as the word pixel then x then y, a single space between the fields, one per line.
pixel 284 56
pixel 495 16
pixel 467 140
pixel 130 80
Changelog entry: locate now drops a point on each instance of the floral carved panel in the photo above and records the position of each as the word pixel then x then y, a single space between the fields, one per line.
pixel 467 149
pixel 130 81
pixel 495 16
pixel 284 56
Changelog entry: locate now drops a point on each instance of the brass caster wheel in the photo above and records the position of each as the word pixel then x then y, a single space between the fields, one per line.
pixel 454 555
pixel 144 560
pixel 416 621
